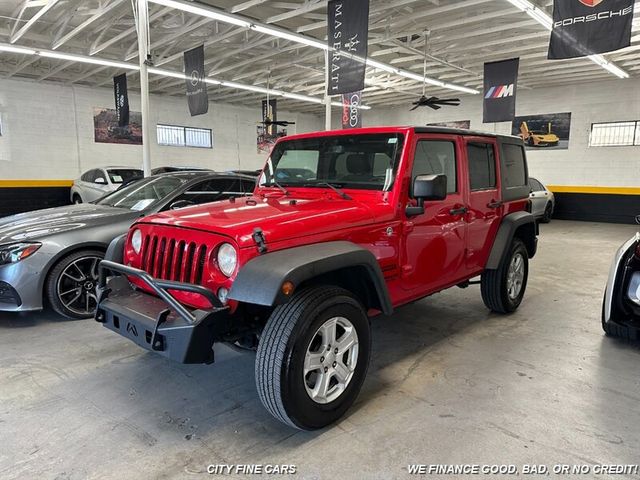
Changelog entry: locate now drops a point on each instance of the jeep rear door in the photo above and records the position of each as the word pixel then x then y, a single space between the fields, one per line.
pixel 434 241
pixel 484 200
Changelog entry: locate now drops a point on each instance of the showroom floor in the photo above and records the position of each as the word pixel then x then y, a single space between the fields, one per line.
pixel 449 383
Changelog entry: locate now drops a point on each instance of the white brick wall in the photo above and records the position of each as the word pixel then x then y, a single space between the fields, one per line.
pixel 48 132
pixel 588 103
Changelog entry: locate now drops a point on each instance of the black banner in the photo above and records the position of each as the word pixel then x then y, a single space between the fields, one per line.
pixel 351 113
pixel 122 99
pixel 348 31
pixel 588 27
pixel 500 84
pixel 196 87
pixel 270 116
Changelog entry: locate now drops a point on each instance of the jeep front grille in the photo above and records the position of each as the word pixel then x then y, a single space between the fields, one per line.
pixel 171 259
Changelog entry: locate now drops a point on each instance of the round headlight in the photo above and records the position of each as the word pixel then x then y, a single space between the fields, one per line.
pixel 136 241
pixel 227 259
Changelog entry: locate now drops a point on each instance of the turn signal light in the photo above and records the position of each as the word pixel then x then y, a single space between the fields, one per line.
pixel 287 288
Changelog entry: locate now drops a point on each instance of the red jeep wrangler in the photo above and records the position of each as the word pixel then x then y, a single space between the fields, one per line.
pixel 341 226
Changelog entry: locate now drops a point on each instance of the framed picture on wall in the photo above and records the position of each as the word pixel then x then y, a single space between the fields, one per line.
pixel 544 131
pixel 106 129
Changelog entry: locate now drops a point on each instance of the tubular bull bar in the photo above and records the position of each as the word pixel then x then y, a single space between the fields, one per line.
pixel 160 324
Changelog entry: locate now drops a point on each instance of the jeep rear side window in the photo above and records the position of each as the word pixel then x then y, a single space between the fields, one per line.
pixel 366 162
pixel 434 157
pixel 482 166
pixel 514 174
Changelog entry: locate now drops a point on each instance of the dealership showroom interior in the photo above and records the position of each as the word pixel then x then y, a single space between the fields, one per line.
pixel 319 239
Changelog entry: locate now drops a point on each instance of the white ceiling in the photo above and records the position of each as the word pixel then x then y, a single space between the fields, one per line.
pixel 463 34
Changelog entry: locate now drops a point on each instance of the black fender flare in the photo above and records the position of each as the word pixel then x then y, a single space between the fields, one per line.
pixel 115 250
pixel 510 224
pixel 260 280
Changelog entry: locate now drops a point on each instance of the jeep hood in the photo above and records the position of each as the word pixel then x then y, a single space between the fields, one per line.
pixel 279 218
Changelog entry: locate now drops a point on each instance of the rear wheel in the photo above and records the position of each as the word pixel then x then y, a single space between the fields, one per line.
pixel 502 289
pixel 77 198
pixel 313 357
pixel 71 285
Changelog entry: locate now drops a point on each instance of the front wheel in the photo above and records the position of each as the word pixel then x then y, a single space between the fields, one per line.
pixel 546 218
pixel 313 357
pixel 502 289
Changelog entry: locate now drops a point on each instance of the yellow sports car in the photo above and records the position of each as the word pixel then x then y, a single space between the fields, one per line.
pixel 538 138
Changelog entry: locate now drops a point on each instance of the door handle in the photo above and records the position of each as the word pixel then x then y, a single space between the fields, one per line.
pixel 494 204
pixel 458 211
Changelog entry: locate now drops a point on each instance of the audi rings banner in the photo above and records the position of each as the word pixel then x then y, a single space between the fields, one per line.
pixel 196 87
pixel 122 99
pixel 351 113
pixel 348 31
pixel 588 27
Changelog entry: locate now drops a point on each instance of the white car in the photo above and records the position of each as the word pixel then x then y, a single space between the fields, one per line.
pixel 96 183
pixel 542 200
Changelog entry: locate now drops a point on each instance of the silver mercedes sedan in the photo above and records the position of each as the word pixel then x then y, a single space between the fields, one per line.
pixel 51 256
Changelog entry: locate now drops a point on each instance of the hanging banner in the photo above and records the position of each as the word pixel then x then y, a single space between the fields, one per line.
pixel 122 99
pixel 348 25
pixel 196 87
pixel 500 84
pixel 351 113
pixel 270 115
pixel 588 27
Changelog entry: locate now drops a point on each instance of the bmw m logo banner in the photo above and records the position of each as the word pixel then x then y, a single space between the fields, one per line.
pixel 122 99
pixel 194 78
pixel 351 112
pixel 500 84
pixel 588 27
pixel 348 32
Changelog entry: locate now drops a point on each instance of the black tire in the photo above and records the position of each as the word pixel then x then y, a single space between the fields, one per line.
pixel 289 333
pixel 548 211
pixel 494 283
pixel 57 283
pixel 77 199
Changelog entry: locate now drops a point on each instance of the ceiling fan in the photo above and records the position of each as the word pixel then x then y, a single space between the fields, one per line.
pixel 280 123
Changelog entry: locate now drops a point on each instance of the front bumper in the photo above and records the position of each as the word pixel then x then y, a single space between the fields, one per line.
pixel 160 324
pixel 21 284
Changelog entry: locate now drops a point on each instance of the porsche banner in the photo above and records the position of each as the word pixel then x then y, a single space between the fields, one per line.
pixel 351 112
pixel 122 99
pixel 588 27
pixel 270 116
pixel 194 78
pixel 500 84
pixel 348 31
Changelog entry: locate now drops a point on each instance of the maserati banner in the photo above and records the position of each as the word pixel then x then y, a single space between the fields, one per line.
pixel 587 27
pixel 348 25
pixel 122 99
pixel 270 116
pixel 196 87
pixel 500 84
pixel 351 113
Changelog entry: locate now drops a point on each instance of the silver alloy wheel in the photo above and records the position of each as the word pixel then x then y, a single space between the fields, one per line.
pixel 515 276
pixel 76 286
pixel 330 360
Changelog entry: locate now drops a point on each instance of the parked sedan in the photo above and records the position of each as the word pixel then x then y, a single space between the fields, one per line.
pixel 52 255
pixel 621 304
pixel 96 183
pixel 542 201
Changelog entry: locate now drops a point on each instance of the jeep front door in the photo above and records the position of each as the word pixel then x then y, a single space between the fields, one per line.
pixel 484 200
pixel 434 241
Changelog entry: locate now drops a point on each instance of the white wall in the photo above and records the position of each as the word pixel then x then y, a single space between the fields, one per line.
pixel 48 132
pixel 588 103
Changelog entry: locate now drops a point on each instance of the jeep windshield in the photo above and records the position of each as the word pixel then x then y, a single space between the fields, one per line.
pixel 363 161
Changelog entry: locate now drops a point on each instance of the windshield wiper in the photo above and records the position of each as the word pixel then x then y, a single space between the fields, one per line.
pixel 335 189
pixel 273 182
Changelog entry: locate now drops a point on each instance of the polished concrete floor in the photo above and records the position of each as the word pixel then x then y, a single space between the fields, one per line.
pixel 449 383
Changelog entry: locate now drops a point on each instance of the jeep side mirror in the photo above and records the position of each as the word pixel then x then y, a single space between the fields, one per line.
pixel 427 187
pixel 180 204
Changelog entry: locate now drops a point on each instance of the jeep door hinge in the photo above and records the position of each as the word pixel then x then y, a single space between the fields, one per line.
pixel 258 237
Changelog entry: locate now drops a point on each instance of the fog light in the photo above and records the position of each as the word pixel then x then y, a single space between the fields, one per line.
pixel 222 295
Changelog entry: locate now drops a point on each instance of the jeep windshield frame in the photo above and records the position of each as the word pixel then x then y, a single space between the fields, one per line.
pixel 358 161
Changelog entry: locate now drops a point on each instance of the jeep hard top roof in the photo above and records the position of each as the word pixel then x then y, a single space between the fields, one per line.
pixel 405 129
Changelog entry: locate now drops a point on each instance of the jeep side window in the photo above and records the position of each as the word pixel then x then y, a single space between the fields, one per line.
pixel 514 174
pixel 435 157
pixel 482 166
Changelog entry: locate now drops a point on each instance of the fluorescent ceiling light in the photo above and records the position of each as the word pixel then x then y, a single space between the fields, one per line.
pixel 205 12
pixel 85 59
pixel 544 19
pixel 12 49
pixel 293 37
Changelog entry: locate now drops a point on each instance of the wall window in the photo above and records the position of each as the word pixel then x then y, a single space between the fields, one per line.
pixel 615 134
pixel 177 136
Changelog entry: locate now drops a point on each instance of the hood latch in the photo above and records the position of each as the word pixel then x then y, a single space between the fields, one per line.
pixel 261 242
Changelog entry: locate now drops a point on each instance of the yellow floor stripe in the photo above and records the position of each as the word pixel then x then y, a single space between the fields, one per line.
pixel 595 190
pixel 35 183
